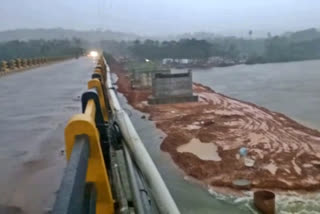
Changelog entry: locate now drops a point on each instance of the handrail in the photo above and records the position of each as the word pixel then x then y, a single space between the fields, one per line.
pixel 72 189
pixel 90 146
pixel 98 198
pixel 19 64
pixel 159 190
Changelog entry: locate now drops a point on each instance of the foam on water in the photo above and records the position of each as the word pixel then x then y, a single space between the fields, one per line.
pixel 285 204
pixel 307 203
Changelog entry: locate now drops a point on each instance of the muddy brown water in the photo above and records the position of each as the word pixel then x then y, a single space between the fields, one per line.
pixel 290 88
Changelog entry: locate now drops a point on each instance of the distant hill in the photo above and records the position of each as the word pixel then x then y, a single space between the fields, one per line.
pixel 98 35
pixel 59 33
pixel 303 35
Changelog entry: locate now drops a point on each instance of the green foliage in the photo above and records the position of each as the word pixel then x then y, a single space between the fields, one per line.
pixel 304 35
pixel 284 49
pixel 227 47
pixel 39 48
pixel 299 45
pixel 185 48
pixel 117 48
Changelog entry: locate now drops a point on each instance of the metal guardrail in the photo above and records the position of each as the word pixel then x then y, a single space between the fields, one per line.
pixel 96 197
pixel 158 188
pixel 102 154
pixel 73 187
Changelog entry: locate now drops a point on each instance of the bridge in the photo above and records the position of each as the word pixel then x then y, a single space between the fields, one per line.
pixel 108 169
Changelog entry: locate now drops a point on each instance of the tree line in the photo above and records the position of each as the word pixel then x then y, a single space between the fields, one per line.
pixel 282 49
pixel 301 45
pixel 271 49
pixel 39 48
pixel 184 48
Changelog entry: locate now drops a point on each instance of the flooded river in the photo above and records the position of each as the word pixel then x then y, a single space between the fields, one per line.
pixel 35 106
pixel 290 88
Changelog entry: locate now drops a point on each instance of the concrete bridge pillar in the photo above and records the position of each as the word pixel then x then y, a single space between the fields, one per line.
pixel 172 88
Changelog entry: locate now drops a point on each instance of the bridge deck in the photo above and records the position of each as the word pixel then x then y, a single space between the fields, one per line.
pixel 35 106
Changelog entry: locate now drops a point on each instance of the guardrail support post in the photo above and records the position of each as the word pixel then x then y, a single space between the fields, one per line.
pixel 95 83
pixel 96 173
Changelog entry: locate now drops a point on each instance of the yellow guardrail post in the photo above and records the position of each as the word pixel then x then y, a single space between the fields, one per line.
pixel 102 72
pixel 95 83
pixel 96 173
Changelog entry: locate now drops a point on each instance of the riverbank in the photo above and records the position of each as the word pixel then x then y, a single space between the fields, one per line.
pixel 284 152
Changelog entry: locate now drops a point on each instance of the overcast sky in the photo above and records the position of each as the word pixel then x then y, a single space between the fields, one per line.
pixel 150 17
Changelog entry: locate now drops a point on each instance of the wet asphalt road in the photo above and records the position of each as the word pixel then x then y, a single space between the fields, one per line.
pixel 34 108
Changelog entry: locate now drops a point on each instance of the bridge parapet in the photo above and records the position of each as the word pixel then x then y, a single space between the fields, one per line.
pixel 18 63
pixel 22 64
pixel 12 64
pixel 91 126
pixel 29 62
pixel 4 66
pixel 34 61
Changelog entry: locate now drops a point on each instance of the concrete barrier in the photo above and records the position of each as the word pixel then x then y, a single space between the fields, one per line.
pixel 143 79
pixel 25 63
pixel 15 65
pixel 29 62
pixel 18 63
pixel 172 88
pixel 4 67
